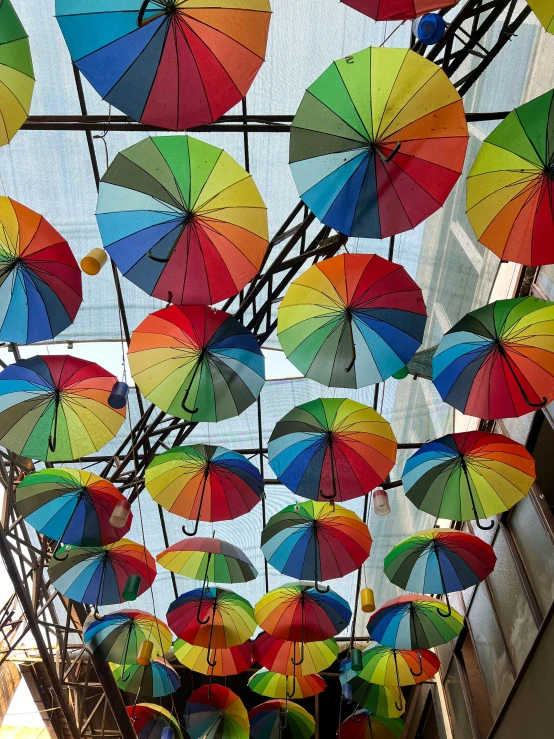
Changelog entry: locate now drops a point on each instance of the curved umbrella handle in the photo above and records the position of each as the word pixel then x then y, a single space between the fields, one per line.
pixel 189 388
pixel 98 616
pixel 321 590
pixel 298 662
pixel 284 725
pixel 56 552
pixel 287 694
pixel 399 707
pixel 202 622
pixel 141 12
pixel 483 528
pixel 195 529
pixel 208 660
pixel 416 674
pixel 149 254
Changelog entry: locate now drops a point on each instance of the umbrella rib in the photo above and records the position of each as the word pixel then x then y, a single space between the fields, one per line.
pixel 378 133
pixel 382 134
pixel 129 185
pixel 203 23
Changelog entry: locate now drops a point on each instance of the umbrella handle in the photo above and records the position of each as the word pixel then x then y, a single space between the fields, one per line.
pixel 55 554
pixel 321 590
pixel 316 558
pixel 443 585
pixel 98 616
pixel 163 260
pixel 298 662
pixel 468 482
pixel 369 726
pixel 393 153
pixel 195 529
pixel 199 620
pixel 52 439
pixel 284 725
pixel 141 13
pixel 420 673
pixel 287 694
pixel 189 388
pixel 209 661
pixel 399 707
pixel 506 358
pixel 334 493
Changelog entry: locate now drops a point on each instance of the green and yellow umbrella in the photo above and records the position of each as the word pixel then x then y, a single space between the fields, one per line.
pixel 365 725
pixel 382 700
pixel 274 685
pixel 16 73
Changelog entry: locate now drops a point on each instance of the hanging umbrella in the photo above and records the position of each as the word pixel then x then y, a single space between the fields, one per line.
pixel 169 63
pixel 213 618
pixel 215 711
pixel 299 612
pixel 182 220
pixel 196 362
pixel 439 561
pixel 498 361
pixel 155 680
pixel 40 281
pixel 332 448
pixel 544 12
pixel 274 685
pixel 213 560
pixel 378 142
pixel 97 575
pixel 510 188
pixel 381 700
pixel 56 408
pixel 323 541
pixel 118 636
pixel 280 719
pixel 365 725
pixel 149 721
pixel 468 476
pixel 393 10
pixel 230 661
pixel 351 321
pixel 282 656
pixel 16 73
pixel 205 483
pixel 72 506
pixel 414 622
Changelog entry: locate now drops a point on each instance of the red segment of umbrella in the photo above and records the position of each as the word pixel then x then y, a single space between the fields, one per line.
pixel 397 10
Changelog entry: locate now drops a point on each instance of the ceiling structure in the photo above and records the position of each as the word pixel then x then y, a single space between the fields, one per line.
pixel 70 124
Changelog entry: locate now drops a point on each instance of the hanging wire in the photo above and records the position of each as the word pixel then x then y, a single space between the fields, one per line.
pixel 102 137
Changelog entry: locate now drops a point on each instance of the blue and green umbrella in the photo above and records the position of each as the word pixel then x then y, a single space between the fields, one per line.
pixel 155 680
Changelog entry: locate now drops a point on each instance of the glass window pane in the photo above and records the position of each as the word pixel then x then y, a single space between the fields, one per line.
pixel 461 728
pixel 536 550
pixel 491 649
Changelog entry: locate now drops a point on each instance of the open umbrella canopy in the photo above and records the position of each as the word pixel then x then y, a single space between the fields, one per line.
pixel 313 540
pixel 215 711
pixel 16 73
pixel 352 320
pixel 394 667
pixel 468 476
pixel 56 408
pixel 213 618
pixel 72 506
pixel 169 63
pixel 230 661
pixel 279 655
pixel 182 220
pixel 40 281
pixel 97 575
pixel 213 560
pixel 382 700
pixel 118 636
pixel 280 719
pixel 155 680
pixel 544 12
pixel 414 622
pixel 378 142
pixel 332 448
pixel 299 612
pixel 498 361
pixel 205 483
pixel 510 188
pixel 397 10
pixel 149 720
pixel 274 685
pixel 196 363
pixel 364 725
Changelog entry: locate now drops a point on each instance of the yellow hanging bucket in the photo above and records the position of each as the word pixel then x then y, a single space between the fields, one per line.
pixel 368 600
pixel 144 656
pixel 94 261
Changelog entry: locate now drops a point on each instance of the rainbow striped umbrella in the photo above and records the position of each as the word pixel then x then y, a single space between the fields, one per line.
pixel 72 506
pixel 332 448
pixel 468 476
pixel 319 541
pixel 274 685
pixel 280 655
pixel 211 559
pixel 155 680
pixel 205 483
pixel 280 719
pixel 119 635
pixel 216 712
pixel 230 661
pixel 149 721
pixel 381 700
pixel 365 725
pixel 196 363
pixel 16 73
pixel 394 667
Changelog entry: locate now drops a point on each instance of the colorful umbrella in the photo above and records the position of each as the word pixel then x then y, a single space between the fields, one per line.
pixel 205 483
pixel 40 281
pixel 414 622
pixel 149 721
pixel 510 189
pixel 118 636
pixel 279 719
pixel 544 12
pixel 16 73
pixel 378 142
pixel 332 448
pixel 299 612
pixel 282 656
pixel 97 575
pixel 319 541
pixel 72 506
pixel 155 680
pixel 213 560
pixel 182 220
pixel 213 618
pixel 395 10
pixel 274 685
pixel 395 667
pixel 382 700
pixel 230 661
pixel 167 63
pixel 468 476
pixel 498 361
pixel 351 321
pixel 439 561
pixel 216 712
pixel 196 362
pixel 365 725
pixel 56 408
